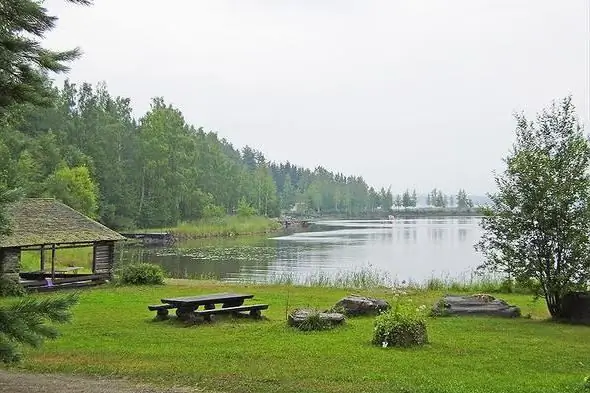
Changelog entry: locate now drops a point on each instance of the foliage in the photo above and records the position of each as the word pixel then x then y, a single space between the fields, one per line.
pixel 25 322
pixel 402 326
pixel 23 61
pixel 10 287
pixel 538 224
pixel 6 196
pixel 141 274
pixel 75 188
pixel 259 353
pixel 244 209
pixel 213 211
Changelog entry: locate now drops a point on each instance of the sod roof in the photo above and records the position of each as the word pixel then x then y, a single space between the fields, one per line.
pixel 39 221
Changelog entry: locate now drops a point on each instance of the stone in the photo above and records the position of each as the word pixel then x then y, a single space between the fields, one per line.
pixel 10 263
pixel 297 317
pixel 479 304
pixel 354 305
pixel 575 307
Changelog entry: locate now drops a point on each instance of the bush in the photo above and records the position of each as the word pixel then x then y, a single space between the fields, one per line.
pixel 10 287
pixel 403 326
pixel 213 211
pixel 244 209
pixel 141 274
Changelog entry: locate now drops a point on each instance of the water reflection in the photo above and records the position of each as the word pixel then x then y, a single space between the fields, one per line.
pixel 409 249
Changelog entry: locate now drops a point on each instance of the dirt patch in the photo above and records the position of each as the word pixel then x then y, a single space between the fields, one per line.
pixel 20 382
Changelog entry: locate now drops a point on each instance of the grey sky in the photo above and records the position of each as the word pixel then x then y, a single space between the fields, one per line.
pixel 408 93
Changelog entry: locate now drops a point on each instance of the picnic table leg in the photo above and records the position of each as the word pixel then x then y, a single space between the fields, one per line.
pixel 162 314
pixel 256 314
pixel 186 313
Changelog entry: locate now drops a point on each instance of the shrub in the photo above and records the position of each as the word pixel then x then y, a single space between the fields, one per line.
pixel 10 287
pixel 244 209
pixel 402 326
pixel 141 274
pixel 213 211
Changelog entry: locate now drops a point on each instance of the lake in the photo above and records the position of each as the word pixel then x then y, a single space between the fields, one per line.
pixel 411 250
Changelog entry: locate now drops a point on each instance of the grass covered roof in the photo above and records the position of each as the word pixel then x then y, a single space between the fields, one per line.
pixel 38 221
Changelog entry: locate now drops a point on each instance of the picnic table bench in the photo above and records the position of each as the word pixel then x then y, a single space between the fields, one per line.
pixel 187 307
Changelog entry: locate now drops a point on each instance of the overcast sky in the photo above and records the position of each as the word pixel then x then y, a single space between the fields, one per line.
pixel 405 93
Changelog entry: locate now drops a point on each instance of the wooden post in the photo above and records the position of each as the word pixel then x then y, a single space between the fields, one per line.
pixel 42 258
pixel 53 262
pixel 94 258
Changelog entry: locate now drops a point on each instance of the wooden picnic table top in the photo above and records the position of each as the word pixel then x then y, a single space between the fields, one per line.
pixel 207 299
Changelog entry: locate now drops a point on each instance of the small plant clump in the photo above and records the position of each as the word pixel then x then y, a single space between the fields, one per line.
pixel 402 326
pixel 141 274
pixel 311 320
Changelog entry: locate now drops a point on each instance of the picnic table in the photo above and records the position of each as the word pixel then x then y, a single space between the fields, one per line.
pixel 187 307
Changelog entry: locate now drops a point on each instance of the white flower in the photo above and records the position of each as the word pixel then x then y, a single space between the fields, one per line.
pixel 384 344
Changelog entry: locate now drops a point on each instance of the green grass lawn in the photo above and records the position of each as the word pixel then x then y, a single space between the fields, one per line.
pixel 112 334
pixel 82 257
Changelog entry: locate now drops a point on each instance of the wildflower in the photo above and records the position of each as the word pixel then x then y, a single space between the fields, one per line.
pixel 384 345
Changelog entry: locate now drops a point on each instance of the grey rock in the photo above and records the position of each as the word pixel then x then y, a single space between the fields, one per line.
pixel 479 304
pixel 354 305
pixel 297 317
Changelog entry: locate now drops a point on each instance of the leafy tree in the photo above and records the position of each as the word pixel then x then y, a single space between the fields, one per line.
pixel 463 201
pixel 414 199
pixel 406 199
pixel 75 188
pixel 538 224
pixel 245 209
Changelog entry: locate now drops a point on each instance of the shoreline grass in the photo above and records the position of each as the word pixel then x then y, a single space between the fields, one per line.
pixel 112 334
pixel 226 226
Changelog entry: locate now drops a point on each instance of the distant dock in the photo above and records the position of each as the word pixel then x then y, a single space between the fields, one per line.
pixel 151 238
pixel 293 223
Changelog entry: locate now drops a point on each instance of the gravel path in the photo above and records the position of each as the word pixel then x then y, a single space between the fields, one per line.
pixel 19 382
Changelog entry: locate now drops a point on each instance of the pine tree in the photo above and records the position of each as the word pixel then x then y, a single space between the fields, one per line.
pixel 23 67
pixel 23 61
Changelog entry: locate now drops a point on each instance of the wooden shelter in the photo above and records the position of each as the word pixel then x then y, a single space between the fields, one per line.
pixel 43 224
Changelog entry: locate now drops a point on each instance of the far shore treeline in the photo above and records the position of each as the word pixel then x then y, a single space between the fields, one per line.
pixel 87 150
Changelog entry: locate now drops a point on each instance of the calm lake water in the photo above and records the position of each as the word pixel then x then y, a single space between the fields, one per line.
pixel 409 249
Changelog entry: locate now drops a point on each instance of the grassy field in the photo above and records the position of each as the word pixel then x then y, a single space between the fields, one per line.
pixel 112 334
pixel 82 257
pixel 223 226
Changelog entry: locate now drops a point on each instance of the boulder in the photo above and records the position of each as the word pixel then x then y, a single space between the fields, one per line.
pixel 354 305
pixel 479 304
pixel 299 316
pixel 575 307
